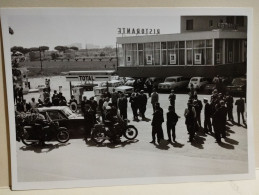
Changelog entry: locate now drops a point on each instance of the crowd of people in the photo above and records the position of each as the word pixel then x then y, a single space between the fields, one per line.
pixel 217 110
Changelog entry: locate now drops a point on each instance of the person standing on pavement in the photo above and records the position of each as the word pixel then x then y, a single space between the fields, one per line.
pixel 90 120
pixel 149 86
pixel 230 102
pixel 198 110
pixel 33 103
pixel 172 98
pixel 93 105
pixel 20 93
pixel 240 103
pixel 154 99
pixel 134 106
pixel 190 118
pixel 55 98
pixel 142 104
pixel 219 122
pixel 171 120
pixel 123 105
pixel 157 122
pixel 207 116
pixel 114 97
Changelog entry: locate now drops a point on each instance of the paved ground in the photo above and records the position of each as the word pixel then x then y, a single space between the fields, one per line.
pixel 78 160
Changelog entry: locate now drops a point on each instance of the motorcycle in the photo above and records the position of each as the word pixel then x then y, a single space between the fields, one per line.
pixel 47 131
pixel 105 131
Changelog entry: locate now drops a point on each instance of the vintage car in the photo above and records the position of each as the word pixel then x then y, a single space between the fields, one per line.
pixel 128 90
pixel 198 83
pixel 156 81
pixel 112 84
pixel 174 82
pixel 66 118
pixel 210 86
pixel 237 87
pixel 130 83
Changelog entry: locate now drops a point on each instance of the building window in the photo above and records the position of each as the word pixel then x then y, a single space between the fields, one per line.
pixel 240 21
pixel 218 51
pixel 189 24
pixel 148 60
pixel 172 53
pixel 157 46
pixel 230 19
pixel 140 54
pixel 210 23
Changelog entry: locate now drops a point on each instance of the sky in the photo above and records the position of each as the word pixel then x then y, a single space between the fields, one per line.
pixel 44 28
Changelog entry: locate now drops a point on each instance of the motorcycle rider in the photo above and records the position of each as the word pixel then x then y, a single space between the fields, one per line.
pixel 37 120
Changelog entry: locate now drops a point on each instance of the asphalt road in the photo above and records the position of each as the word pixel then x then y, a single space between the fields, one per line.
pixel 80 160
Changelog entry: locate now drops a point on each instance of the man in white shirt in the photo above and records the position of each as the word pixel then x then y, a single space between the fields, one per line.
pixel 33 103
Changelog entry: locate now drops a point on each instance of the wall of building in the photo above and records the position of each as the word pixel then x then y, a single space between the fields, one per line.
pixel 232 70
pixel 201 23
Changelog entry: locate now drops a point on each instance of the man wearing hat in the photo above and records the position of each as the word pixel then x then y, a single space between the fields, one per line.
pixel 172 98
pixel 207 116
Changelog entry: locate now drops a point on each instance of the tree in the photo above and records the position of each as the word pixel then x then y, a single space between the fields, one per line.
pixel 54 56
pixel 102 54
pixel 25 50
pixel 61 48
pixel 16 48
pixel 43 49
pixel 74 48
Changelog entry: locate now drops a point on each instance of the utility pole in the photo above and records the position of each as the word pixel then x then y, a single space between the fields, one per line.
pixel 40 61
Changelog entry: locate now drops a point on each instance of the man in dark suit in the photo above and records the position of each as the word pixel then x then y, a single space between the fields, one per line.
pixel 172 98
pixel 240 103
pixel 207 116
pixel 219 121
pixel 90 120
pixel 171 120
pixel 123 105
pixel 229 102
pixel 142 100
pixel 157 121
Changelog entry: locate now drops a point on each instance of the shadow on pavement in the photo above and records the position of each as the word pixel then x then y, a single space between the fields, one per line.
pixel 46 148
pixel 230 131
pixel 177 144
pixel 231 141
pixel 226 145
pixel 163 145
pixel 146 119
pixel 201 133
pixel 198 142
pixel 119 144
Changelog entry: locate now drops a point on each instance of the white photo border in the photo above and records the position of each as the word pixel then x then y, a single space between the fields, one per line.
pixel 5 12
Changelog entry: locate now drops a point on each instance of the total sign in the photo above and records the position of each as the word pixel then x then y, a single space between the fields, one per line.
pixel 88 78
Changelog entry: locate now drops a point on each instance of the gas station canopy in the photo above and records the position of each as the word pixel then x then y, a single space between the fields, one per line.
pixel 97 75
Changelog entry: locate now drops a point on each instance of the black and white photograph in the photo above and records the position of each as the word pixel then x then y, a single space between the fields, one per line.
pixel 128 96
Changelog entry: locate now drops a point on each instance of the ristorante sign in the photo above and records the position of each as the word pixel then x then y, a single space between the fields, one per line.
pixel 140 31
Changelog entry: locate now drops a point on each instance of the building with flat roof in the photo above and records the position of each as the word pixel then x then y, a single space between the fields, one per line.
pixel 206 46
